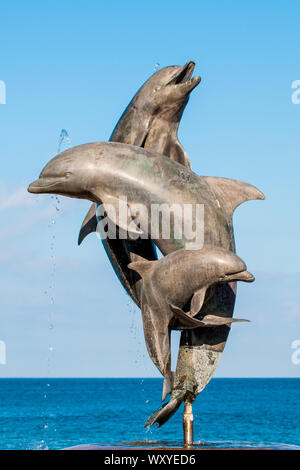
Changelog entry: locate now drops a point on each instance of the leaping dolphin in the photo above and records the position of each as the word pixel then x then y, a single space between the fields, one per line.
pixel 150 121
pixel 172 282
pixel 101 172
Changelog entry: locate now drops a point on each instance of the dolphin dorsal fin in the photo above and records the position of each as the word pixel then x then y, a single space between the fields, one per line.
pixel 232 193
pixel 141 266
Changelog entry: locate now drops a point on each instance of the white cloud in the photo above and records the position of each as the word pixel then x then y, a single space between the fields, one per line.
pixel 27 210
pixel 23 224
pixel 18 198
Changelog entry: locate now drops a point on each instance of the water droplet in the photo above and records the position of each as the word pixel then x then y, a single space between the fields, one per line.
pixel 63 141
pixel 156 66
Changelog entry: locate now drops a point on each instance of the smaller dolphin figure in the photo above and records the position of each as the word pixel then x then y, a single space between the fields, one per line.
pixel 181 279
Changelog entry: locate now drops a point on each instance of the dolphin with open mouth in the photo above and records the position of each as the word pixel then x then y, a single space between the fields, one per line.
pixel 150 121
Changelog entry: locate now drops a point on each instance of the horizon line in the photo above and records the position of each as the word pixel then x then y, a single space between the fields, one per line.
pixel 139 378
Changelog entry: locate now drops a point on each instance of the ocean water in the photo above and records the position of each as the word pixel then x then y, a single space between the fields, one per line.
pixel 58 413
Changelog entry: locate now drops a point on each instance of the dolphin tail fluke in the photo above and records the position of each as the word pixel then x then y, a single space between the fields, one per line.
pixel 165 412
pixel 89 224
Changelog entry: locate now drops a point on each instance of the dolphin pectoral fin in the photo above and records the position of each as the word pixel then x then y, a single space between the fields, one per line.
pixel 232 193
pixel 112 206
pixel 118 212
pixel 89 224
pixel 165 412
pixel 208 321
pixel 186 321
pixel 213 320
pixel 197 301
pixel 167 385
pixel 176 152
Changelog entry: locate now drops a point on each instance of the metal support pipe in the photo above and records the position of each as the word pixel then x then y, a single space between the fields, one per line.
pixel 188 422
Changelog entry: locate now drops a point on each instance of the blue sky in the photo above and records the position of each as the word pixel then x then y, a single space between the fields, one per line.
pixel 76 65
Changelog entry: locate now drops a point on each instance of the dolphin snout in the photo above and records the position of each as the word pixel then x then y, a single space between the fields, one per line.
pixel 242 275
pixel 245 276
pixel 184 76
pixel 42 185
pixel 35 187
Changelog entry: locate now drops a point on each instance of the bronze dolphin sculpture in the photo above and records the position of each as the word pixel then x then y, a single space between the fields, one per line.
pixel 176 280
pixel 145 124
pixel 101 172
pixel 150 121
